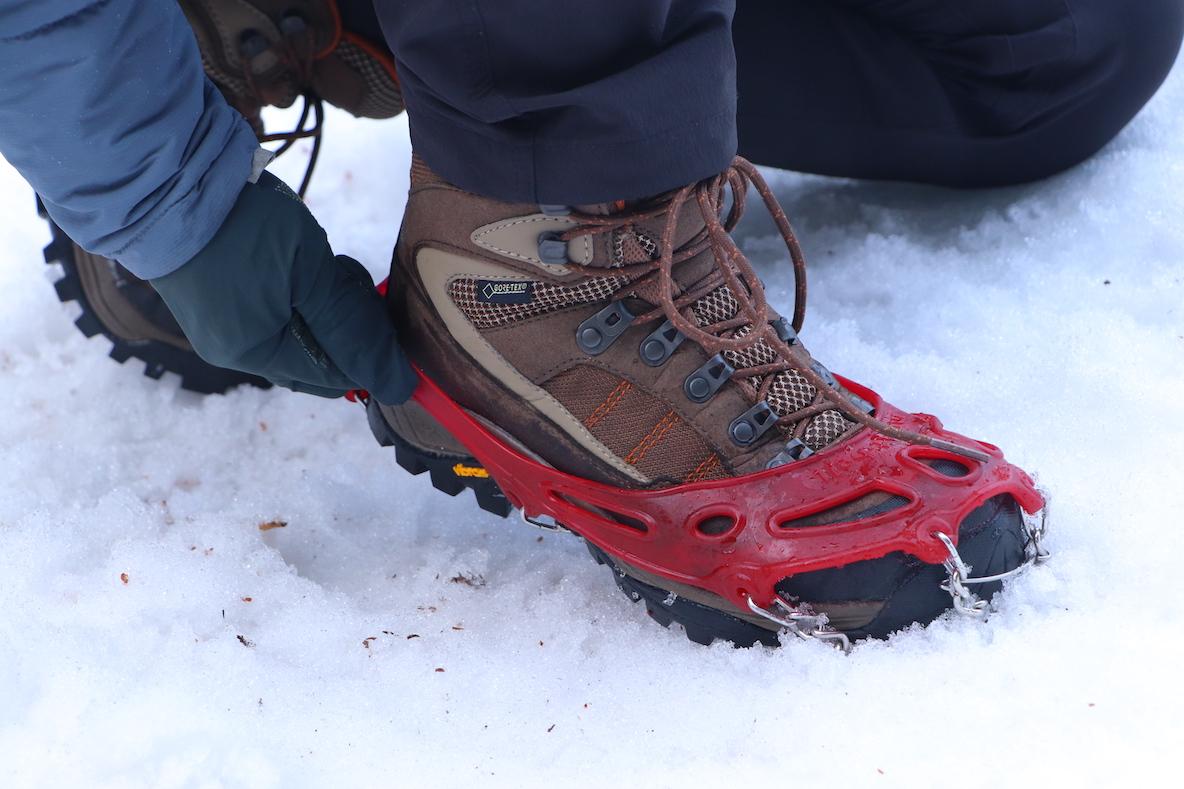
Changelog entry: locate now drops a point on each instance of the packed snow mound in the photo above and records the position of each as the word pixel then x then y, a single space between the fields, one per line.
pixel 246 591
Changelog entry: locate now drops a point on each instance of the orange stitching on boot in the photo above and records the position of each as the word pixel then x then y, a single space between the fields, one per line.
pixel 610 402
pixel 703 469
pixel 650 441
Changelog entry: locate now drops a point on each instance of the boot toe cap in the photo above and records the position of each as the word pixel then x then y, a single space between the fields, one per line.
pixel 877 597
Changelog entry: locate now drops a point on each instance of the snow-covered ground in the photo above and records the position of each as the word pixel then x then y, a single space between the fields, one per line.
pixel 388 635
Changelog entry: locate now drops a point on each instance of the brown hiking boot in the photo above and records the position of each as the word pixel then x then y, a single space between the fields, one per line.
pixel 259 53
pixel 271 52
pixel 631 346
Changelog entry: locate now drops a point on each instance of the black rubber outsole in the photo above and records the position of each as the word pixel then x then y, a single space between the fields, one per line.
pixel 991 541
pixel 702 624
pixel 196 374
pixel 450 474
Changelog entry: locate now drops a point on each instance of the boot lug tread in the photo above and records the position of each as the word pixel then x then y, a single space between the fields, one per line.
pixel 196 375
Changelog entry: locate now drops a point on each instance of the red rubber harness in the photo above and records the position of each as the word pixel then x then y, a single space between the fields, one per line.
pixel 659 530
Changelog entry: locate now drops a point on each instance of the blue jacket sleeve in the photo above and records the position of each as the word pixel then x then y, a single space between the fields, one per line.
pixel 106 111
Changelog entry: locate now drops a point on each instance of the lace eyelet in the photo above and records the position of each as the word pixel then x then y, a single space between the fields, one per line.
pixel 660 344
pixel 785 331
pixel 701 385
pixel 793 451
pixel 597 333
pixel 747 428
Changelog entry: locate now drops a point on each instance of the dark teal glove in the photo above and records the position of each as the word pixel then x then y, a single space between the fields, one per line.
pixel 267 296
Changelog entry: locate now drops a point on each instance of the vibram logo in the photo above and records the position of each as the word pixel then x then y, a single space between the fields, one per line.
pixel 461 470
pixel 494 292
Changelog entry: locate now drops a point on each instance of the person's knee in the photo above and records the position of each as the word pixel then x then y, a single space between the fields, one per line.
pixel 1123 52
pixel 1143 38
pixel 1126 50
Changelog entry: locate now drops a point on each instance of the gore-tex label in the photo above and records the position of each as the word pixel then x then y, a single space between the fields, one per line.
pixel 491 291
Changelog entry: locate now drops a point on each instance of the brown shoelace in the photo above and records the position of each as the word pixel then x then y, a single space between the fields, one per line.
pixel 734 270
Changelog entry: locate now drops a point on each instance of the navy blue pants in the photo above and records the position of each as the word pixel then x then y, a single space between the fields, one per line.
pixel 587 101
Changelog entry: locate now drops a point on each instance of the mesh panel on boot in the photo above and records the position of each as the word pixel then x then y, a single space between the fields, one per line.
pixel 624 429
pixel 824 429
pixel 789 391
pixel 546 298
pixel 681 455
pixel 382 97
pixel 716 306
pixel 633 246
pixel 636 426
pixel 754 355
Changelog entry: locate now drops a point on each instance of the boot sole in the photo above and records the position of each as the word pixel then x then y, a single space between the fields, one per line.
pixel 449 474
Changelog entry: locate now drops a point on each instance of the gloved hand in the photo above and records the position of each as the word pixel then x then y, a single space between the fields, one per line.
pixel 267 296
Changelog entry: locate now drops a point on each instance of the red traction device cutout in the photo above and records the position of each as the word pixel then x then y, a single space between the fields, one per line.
pixel 748 544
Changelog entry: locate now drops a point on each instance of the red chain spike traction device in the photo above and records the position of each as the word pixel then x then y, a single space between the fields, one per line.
pixel 660 530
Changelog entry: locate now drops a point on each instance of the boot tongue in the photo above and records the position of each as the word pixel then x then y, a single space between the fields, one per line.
pixel 638 242
pixel 789 390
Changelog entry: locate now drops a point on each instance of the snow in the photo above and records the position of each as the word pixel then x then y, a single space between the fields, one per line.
pixel 388 635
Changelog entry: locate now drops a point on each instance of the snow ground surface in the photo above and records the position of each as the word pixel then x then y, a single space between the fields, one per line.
pixel 1048 319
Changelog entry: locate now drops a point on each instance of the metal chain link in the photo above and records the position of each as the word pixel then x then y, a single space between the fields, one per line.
pixel 802 622
pixel 966 602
